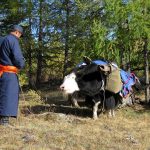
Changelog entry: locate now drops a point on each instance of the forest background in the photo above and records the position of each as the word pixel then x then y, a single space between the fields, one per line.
pixel 58 33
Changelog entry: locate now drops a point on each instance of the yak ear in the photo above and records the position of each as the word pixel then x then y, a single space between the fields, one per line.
pixel 87 60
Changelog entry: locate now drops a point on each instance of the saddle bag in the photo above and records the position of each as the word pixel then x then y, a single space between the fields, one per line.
pixel 113 81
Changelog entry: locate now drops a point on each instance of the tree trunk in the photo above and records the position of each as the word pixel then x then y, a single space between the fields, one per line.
pixel 39 55
pixel 66 37
pixel 122 57
pixel 30 82
pixel 147 90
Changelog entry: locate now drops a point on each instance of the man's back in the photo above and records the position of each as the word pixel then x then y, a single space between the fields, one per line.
pixel 10 52
pixel 1 40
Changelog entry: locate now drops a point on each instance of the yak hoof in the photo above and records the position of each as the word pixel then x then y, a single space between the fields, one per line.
pixel 95 117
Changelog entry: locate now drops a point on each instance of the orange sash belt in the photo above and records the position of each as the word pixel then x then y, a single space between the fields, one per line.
pixel 10 69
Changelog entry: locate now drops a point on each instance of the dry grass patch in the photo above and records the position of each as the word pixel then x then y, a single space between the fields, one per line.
pixel 50 124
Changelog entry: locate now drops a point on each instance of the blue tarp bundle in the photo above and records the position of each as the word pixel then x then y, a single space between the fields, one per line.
pixel 128 80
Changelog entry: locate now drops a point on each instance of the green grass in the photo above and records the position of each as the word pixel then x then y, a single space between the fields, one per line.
pixel 50 124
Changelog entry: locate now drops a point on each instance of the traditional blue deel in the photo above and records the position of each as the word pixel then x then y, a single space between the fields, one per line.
pixel 11 55
pixel 1 40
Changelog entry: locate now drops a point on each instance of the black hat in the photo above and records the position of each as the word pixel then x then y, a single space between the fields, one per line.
pixel 18 28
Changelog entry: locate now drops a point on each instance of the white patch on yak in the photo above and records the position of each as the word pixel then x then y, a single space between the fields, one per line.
pixel 69 84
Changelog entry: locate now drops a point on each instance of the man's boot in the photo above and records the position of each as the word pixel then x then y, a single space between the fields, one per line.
pixel 4 120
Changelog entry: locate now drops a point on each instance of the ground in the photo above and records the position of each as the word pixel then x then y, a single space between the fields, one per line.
pixel 47 122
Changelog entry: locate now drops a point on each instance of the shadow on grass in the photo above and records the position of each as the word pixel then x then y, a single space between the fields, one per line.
pixel 57 104
pixel 68 110
pixel 142 107
pixel 139 108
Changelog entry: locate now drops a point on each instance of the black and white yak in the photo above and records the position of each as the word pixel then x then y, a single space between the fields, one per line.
pixel 89 81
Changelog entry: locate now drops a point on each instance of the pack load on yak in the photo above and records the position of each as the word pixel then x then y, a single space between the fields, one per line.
pixel 117 80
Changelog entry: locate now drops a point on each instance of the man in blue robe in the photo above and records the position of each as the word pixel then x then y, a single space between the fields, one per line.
pixel 11 61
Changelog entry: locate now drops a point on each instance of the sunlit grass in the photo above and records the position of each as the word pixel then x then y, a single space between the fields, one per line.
pixel 40 127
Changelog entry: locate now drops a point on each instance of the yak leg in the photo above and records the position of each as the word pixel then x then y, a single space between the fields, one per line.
pixel 95 109
pixel 73 100
pixel 75 103
pixel 111 113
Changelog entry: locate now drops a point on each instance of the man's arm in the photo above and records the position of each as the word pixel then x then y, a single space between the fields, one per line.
pixel 18 59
